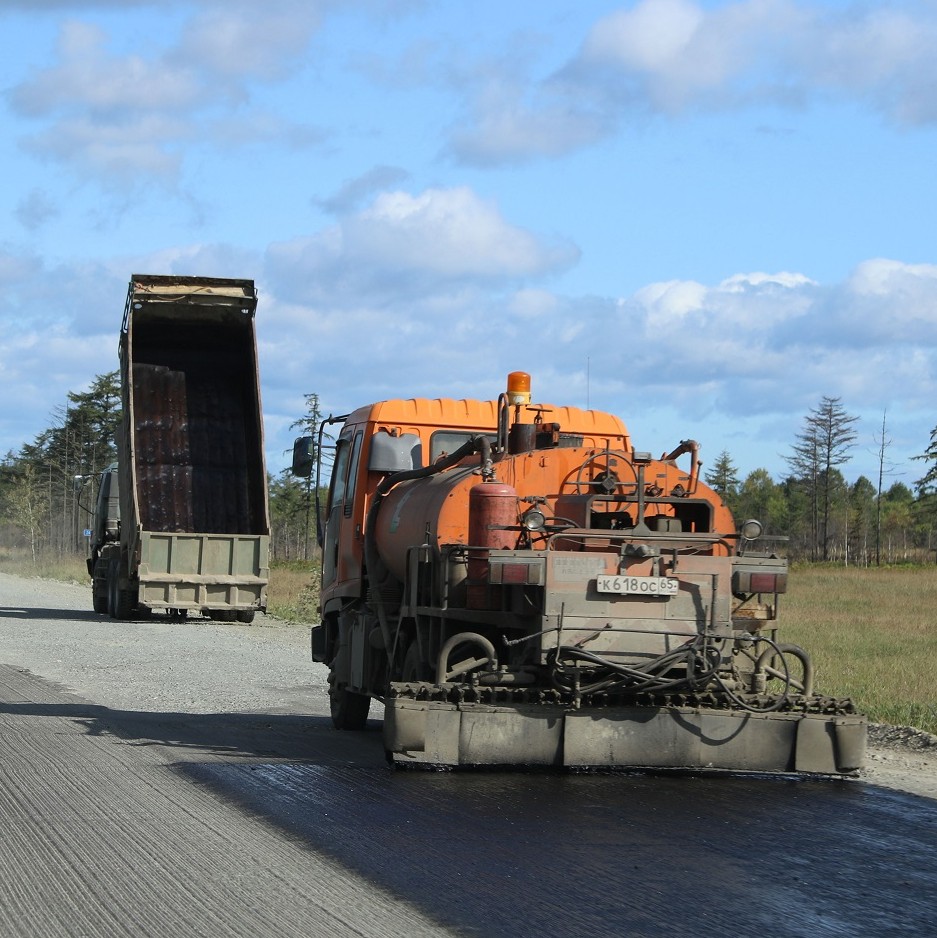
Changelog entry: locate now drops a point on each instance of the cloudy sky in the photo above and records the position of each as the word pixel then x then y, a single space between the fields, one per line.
pixel 703 216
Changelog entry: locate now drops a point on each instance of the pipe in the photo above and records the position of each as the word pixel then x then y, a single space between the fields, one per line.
pixel 442 662
pixel 692 447
pixel 761 665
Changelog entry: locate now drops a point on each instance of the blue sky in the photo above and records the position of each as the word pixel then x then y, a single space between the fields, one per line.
pixel 701 216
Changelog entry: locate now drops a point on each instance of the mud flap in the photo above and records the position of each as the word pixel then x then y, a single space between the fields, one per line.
pixel 831 745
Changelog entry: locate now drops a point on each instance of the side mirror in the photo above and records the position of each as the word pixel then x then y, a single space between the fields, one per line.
pixel 303 459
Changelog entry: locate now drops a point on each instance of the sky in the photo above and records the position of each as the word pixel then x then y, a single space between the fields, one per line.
pixel 704 217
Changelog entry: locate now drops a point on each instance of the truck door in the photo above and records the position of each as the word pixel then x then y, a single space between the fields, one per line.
pixel 340 560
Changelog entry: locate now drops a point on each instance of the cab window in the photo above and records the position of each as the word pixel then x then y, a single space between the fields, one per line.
pixel 339 471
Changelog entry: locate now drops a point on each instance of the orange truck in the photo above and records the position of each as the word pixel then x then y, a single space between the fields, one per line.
pixel 519 586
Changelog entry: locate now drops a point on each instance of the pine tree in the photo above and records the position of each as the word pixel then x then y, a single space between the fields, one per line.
pixel 724 480
pixel 821 447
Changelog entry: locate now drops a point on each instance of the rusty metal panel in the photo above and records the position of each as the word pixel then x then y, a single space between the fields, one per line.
pixel 196 439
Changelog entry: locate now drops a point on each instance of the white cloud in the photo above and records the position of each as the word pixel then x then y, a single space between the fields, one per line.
pixel 652 36
pixel 672 57
pixel 114 115
pixel 89 80
pixel 438 240
pixel 747 355
pixel 244 39
pixel 508 122
pixel 883 277
pixel 115 151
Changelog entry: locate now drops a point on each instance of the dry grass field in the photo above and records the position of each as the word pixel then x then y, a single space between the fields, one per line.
pixel 872 632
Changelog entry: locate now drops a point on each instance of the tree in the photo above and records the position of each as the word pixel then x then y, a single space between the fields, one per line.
pixel 883 443
pixel 724 480
pixel 861 513
pixel 310 424
pixel 822 445
pixel 289 510
pixel 898 516
pixel 761 498
pixel 26 506
pixel 927 485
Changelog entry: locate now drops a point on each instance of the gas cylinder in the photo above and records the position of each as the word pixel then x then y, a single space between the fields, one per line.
pixel 492 526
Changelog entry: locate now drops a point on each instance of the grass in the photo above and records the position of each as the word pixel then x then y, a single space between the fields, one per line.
pixel 293 591
pixel 871 632
pixel 872 635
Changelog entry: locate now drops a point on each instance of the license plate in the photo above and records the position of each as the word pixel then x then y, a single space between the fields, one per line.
pixel 637 585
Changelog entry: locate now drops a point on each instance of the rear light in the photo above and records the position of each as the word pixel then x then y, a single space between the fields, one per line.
pixel 518 572
pixel 757 581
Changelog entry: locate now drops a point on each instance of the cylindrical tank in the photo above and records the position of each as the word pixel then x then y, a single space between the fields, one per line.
pixel 492 515
pixel 450 508
pixel 433 510
pixel 492 511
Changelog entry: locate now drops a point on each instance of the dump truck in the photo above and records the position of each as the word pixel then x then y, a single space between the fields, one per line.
pixel 518 585
pixel 181 520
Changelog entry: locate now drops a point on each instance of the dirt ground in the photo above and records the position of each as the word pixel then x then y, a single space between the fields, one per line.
pixel 902 758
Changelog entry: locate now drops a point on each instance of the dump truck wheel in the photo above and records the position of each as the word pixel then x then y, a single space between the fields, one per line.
pixel 349 710
pixel 99 600
pixel 120 602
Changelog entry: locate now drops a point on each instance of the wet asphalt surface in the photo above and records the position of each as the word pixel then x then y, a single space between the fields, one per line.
pixel 571 855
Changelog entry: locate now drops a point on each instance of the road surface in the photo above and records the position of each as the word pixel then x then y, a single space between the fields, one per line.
pixel 181 778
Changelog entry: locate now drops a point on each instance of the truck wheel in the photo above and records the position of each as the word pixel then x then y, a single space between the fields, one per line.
pixel 112 589
pixel 99 588
pixel 126 600
pixel 120 602
pixel 349 710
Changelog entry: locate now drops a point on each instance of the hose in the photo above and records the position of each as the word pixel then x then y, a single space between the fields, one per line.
pixel 700 657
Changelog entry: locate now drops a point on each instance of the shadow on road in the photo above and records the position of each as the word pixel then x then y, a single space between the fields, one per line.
pixel 39 613
pixel 194 736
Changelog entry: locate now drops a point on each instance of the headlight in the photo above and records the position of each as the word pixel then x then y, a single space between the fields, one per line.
pixel 751 530
pixel 534 520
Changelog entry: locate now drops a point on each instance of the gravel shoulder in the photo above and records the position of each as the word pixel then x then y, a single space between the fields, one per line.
pixel 902 758
pixel 201 666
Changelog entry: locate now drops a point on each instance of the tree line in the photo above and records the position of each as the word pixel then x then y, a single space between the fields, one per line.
pixel 47 489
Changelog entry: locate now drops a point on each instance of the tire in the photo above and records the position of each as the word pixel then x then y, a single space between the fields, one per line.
pixel 245 617
pixel 126 600
pixel 120 602
pixel 99 598
pixel 349 710
pixel 112 589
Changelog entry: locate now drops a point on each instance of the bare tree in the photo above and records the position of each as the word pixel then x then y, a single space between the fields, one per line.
pixel 884 469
